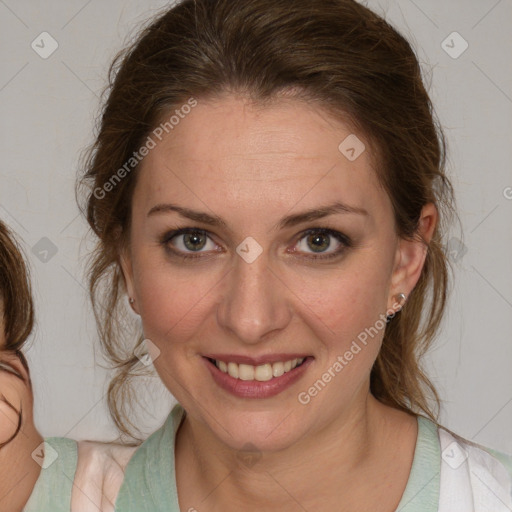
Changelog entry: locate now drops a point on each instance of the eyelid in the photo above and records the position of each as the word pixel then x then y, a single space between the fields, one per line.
pixel 173 233
pixel 8 368
pixel 343 239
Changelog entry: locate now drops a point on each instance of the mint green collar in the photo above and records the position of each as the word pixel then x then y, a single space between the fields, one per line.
pixel 422 489
pixel 149 484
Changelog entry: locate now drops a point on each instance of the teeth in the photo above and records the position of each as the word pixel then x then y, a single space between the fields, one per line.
pixel 278 369
pixel 245 372
pixel 260 373
pixel 263 372
pixel 232 369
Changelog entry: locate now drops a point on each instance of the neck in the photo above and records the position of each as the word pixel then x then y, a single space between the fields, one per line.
pixel 346 450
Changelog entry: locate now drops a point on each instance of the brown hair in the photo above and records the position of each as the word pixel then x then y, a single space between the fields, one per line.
pixel 15 294
pixel 334 52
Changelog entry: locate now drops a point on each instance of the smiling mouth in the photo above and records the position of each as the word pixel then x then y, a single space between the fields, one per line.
pixel 261 373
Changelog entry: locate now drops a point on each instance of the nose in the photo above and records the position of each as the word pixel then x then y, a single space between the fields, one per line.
pixel 255 302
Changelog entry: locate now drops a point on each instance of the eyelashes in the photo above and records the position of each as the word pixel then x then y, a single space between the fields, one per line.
pixel 189 237
pixel 10 369
pixel 316 233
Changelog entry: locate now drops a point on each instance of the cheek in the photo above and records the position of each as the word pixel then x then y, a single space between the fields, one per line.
pixel 346 300
pixel 177 303
pixel 349 320
pixel 171 301
pixel 346 312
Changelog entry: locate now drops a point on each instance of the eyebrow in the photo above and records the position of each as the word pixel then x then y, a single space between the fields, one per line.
pixel 286 222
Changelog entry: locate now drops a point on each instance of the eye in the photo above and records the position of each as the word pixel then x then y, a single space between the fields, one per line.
pixel 184 242
pixel 319 240
pixel 188 240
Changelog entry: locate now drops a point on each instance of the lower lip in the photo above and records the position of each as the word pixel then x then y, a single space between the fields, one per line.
pixel 254 388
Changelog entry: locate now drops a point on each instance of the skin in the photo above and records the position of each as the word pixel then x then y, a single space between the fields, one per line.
pixel 252 166
pixel 18 470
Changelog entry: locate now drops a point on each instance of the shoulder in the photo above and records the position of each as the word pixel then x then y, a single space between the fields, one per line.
pixel 504 458
pixel 83 475
pixel 456 450
pixel 57 457
pixel 99 474
pixel 471 469
pixel 96 476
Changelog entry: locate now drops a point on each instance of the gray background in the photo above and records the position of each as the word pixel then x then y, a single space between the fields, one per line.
pixel 47 112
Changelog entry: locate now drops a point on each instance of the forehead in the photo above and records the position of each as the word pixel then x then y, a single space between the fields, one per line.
pixel 229 151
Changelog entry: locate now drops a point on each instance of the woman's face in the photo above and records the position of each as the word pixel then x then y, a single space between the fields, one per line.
pixel 249 283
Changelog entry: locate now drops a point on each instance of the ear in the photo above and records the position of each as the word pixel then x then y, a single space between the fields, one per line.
pixel 125 261
pixel 411 254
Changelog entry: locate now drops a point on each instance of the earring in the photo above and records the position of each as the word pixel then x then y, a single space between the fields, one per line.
pixel 400 300
pixel 130 307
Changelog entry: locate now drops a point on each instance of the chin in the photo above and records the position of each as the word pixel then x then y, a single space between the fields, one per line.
pixel 263 431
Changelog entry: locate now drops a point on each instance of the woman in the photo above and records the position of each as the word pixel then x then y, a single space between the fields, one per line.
pixel 268 190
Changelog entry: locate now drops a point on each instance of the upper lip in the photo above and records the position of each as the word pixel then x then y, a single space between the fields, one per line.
pixel 255 361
